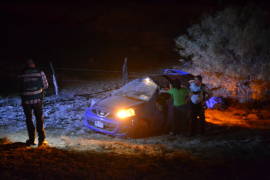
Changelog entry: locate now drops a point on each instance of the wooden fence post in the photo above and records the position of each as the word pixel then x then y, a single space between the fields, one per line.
pixel 125 72
pixel 54 80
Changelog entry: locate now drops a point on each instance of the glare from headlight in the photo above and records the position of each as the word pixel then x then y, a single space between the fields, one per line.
pixel 149 82
pixel 125 113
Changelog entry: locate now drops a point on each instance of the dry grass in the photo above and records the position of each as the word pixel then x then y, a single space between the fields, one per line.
pixel 235 157
pixel 20 162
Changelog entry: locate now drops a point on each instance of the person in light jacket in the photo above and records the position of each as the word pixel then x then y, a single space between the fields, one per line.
pixel 199 94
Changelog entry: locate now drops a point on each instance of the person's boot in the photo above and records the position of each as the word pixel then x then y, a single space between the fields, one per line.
pixel 43 143
pixel 30 142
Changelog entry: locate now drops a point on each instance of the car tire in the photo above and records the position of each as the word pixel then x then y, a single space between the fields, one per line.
pixel 141 128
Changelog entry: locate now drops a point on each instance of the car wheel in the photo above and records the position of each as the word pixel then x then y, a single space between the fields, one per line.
pixel 141 128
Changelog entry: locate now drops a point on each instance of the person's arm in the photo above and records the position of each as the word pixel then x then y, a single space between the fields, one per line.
pixel 207 92
pixel 163 91
pixel 166 90
pixel 188 95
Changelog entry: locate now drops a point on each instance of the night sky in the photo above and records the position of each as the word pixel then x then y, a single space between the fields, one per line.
pixel 94 33
pixel 98 34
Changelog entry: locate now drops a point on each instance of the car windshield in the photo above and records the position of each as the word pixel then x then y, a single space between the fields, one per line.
pixel 141 89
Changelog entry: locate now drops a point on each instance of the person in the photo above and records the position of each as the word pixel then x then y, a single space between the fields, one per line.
pixel 179 113
pixel 33 82
pixel 199 94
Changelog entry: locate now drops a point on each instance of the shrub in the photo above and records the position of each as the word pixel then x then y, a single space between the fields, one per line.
pixel 234 46
pixel 234 41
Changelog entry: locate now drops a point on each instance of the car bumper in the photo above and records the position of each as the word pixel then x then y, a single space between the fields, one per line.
pixel 110 126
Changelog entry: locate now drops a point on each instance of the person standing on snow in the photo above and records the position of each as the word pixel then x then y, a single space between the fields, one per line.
pixel 33 82
pixel 179 112
pixel 199 94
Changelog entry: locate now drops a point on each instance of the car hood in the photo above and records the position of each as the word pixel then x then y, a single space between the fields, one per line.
pixel 116 102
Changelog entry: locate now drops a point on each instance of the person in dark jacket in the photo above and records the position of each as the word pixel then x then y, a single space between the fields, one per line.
pixel 33 82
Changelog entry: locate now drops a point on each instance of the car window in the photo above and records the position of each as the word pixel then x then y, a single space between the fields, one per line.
pixel 141 89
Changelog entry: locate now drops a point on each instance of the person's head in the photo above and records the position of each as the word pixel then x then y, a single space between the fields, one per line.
pixel 176 84
pixel 198 79
pixel 30 63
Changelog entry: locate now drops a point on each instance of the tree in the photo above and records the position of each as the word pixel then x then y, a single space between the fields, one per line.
pixel 234 42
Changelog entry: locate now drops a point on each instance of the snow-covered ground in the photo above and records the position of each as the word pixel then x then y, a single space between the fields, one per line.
pixel 65 129
pixel 60 112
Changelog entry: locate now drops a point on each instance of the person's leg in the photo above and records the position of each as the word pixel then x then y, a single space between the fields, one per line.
pixel 29 123
pixel 188 116
pixel 171 125
pixel 181 119
pixel 202 120
pixel 165 120
pixel 191 122
pixel 184 117
pixel 177 120
pixel 39 121
pixel 193 119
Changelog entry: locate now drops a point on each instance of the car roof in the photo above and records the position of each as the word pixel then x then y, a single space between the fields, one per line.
pixel 163 81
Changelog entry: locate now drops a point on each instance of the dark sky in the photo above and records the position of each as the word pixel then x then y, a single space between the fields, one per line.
pixel 97 33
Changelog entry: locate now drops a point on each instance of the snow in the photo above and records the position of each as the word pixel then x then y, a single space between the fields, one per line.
pixel 63 120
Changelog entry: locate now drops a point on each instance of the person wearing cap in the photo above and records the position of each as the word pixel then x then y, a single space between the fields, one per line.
pixel 33 82
pixel 198 96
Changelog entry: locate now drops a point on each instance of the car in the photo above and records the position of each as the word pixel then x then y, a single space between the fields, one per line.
pixel 174 72
pixel 136 109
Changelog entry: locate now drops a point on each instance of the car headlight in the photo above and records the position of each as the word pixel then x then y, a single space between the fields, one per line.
pixel 125 113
